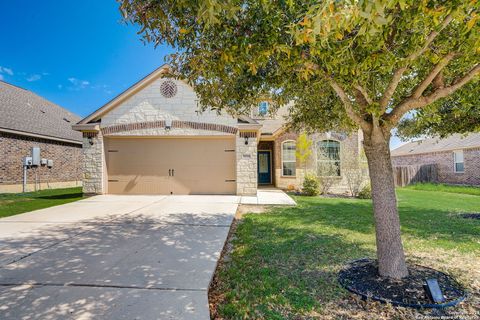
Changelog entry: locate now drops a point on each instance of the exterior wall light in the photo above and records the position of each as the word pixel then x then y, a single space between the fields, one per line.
pixel 90 140
pixel 168 124
pixel 246 140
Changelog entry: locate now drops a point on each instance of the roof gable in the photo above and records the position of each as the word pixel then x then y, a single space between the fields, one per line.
pixel 112 104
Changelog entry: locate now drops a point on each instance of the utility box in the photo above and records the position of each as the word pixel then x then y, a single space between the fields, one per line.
pixel 27 161
pixel 43 162
pixel 49 163
pixel 36 156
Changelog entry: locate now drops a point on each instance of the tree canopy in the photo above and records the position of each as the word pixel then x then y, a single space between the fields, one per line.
pixel 384 58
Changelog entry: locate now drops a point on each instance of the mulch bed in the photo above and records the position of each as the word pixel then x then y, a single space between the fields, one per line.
pixel 361 277
pixel 470 215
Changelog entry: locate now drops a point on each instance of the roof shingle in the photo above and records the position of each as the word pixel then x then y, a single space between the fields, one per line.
pixel 22 110
pixel 453 142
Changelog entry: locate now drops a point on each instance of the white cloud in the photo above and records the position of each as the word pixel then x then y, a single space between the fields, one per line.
pixel 78 84
pixel 6 70
pixel 34 77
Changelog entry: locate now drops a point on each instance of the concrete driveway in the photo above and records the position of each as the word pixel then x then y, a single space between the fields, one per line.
pixel 113 257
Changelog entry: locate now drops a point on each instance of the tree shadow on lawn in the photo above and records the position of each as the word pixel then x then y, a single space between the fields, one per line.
pixel 286 261
pixel 64 196
pixel 279 272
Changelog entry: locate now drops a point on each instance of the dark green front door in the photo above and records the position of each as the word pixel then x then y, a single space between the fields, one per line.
pixel 264 167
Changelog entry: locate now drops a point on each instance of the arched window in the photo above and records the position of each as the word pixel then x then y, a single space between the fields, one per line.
pixel 328 158
pixel 289 159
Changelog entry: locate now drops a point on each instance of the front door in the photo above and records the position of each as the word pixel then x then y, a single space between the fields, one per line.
pixel 264 167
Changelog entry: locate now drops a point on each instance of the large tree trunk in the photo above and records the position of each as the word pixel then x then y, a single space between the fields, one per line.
pixel 391 258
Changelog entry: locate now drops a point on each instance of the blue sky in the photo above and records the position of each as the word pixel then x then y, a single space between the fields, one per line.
pixel 78 54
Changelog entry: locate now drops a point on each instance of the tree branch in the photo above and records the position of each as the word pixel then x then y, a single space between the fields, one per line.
pixel 411 103
pixel 358 119
pixel 422 86
pixel 397 75
pixel 364 94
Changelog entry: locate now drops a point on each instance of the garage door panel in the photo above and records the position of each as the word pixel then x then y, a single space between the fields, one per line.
pixel 142 166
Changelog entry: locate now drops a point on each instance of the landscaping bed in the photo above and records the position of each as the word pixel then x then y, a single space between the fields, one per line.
pixel 284 263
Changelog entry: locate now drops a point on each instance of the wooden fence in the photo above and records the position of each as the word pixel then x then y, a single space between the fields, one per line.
pixel 405 175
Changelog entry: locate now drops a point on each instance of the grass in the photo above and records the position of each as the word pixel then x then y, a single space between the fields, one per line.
pixel 440 187
pixel 284 262
pixel 15 203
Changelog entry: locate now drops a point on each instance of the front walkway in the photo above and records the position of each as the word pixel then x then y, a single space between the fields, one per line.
pixel 116 257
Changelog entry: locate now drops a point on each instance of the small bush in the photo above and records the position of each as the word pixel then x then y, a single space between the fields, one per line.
pixel 366 192
pixel 290 188
pixel 311 186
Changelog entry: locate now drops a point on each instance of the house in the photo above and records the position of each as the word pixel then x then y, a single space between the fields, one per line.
pixel 152 139
pixel 28 121
pixel 457 157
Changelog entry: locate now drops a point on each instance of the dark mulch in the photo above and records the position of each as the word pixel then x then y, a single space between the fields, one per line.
pixel 361 277
pixel 470 215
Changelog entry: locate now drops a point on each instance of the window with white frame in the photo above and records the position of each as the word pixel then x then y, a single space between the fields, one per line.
pixel 458 164
pixel 263 108
pixel 328 158
pixel 289 160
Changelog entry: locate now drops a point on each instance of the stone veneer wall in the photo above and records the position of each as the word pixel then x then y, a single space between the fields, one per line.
pixel 350 147
pixel 150 105
pixel 246 166
pixel 93 164
pixel 66 170
pixel 444 162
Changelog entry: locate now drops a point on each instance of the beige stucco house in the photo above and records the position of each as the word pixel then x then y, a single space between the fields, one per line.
pixel 152 139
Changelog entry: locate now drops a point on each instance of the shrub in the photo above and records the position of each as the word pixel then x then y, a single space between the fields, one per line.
pixel 290 188
pixel 310 185
pixel 366 192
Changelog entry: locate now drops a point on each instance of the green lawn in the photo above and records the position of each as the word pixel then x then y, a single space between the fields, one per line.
pixel 440 187
pixel 15 203
pixel 284 262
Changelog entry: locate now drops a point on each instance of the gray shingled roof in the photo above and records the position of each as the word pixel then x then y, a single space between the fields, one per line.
pixel 453 142
pixel 22 110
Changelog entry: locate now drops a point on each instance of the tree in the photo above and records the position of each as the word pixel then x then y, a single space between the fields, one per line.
pixel 345 64
pixel 303 150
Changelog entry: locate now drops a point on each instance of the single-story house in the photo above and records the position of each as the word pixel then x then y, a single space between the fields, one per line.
pixel 152 139
pixel 29 121
pixel 456 158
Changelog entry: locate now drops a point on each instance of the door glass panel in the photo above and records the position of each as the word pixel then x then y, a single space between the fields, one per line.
pixel 263 163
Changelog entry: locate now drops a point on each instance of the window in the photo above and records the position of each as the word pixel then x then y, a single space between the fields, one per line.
pixel 458 164
pixel 289 160
pixel 328 158
pixel 263 108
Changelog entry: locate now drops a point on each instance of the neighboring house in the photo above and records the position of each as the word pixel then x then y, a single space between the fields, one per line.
pixel 151 139
pixel 457 158
pixel 27 121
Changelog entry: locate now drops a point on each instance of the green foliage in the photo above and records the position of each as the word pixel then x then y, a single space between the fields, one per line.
pixel 311 185
pixel 303 149
pixel 459 113
pixel 441 187
pixel 15 203
pixel 365 193
pixel 237 51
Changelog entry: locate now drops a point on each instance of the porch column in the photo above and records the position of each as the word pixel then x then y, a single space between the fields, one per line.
pixel 246 150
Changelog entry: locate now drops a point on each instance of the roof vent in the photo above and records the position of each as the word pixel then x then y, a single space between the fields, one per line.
pixel 168 89
pixel 65 119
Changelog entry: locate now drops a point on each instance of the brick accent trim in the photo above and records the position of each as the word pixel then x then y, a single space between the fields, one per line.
pixel 175 124
pixel 248 134
pixel 89 134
